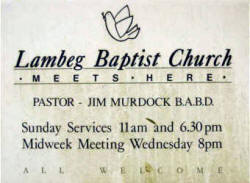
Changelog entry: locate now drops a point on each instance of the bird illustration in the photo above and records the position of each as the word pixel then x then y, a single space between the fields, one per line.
pixel 119 26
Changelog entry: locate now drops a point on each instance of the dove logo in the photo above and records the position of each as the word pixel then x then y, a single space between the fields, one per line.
pixel 120 26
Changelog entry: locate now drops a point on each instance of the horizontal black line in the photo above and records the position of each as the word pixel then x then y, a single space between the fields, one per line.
pixel 106 83
pixel 134 68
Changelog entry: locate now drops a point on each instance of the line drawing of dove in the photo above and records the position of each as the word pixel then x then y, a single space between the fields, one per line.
pixel 119 26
